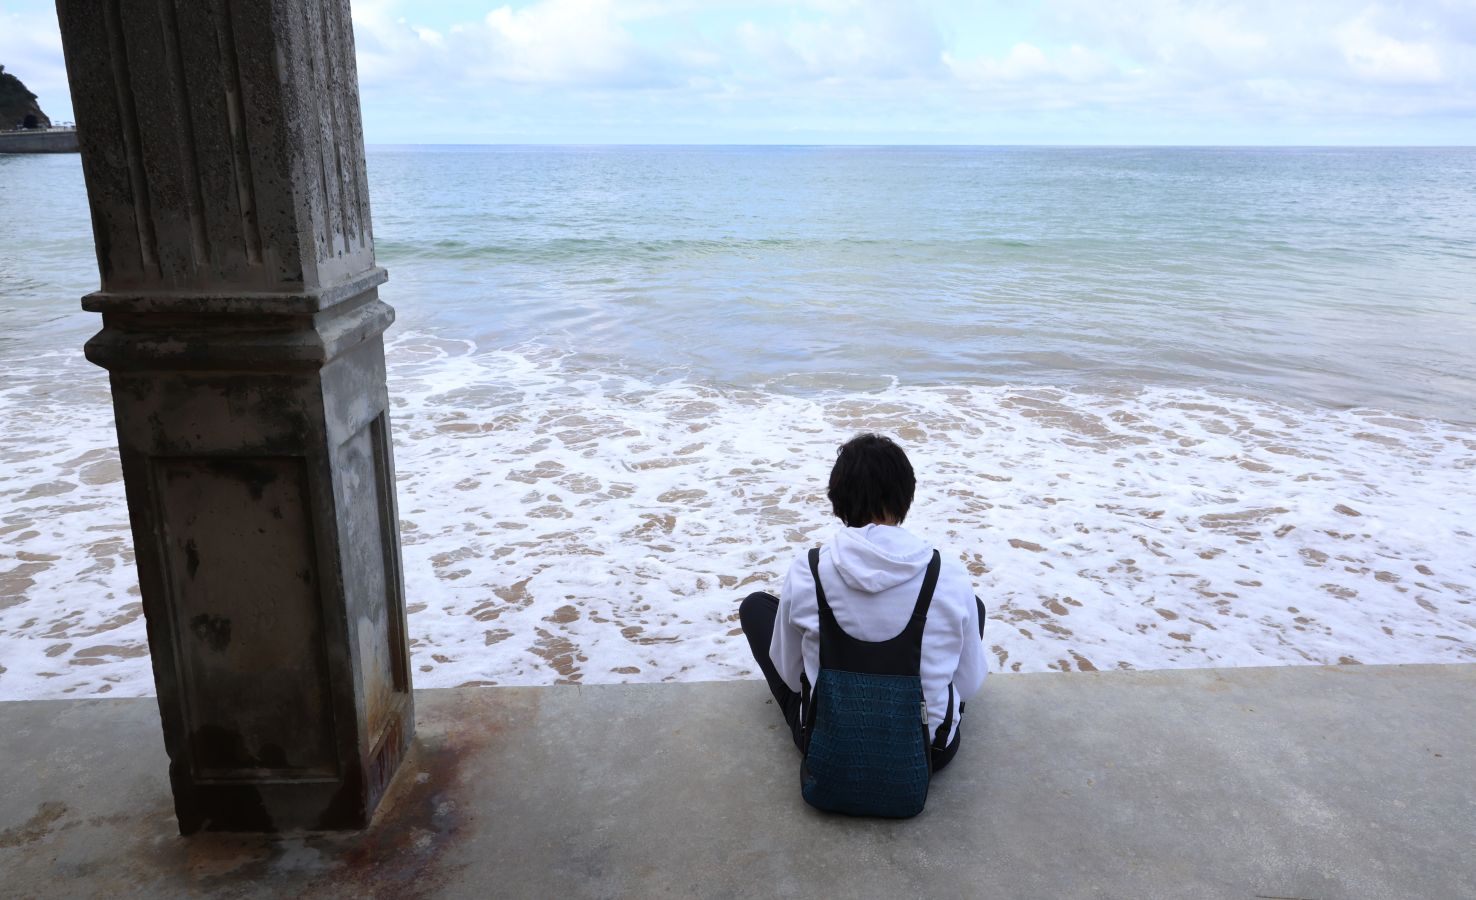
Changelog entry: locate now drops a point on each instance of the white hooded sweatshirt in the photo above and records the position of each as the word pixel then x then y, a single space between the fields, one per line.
pixel 872 576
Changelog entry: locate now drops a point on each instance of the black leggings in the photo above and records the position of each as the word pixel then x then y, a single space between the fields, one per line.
pixel 756 614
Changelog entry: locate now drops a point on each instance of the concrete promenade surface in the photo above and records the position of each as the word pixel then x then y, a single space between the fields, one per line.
pixel 1348 782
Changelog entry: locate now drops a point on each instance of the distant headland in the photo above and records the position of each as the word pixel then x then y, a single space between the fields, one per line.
pixel 18 107
pixel 24 127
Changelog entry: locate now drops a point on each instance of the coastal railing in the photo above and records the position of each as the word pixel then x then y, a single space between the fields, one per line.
pixel 64 126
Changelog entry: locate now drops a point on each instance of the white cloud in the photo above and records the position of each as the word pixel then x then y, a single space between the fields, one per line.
pixel 1167 46
pixel 844 40
pixel 547 43
pixel 1181 64
pixel 553 42
pixel 1379 57
pixel 1027 62
pixel 571 67
pixel 1312 59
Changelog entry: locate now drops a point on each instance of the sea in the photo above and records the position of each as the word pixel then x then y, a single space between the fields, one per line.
pixel 1171 407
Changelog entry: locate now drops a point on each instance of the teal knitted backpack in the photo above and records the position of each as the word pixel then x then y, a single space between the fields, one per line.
pixel 867 751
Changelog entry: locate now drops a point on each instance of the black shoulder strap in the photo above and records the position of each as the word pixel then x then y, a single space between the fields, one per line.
pixel 833 639
pixel 930 581
pixel 940 737
pixel 819 591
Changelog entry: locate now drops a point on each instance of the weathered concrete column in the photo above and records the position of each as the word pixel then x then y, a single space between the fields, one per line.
pixel 242 328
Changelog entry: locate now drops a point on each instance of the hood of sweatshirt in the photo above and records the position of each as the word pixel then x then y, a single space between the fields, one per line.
pixel 874 558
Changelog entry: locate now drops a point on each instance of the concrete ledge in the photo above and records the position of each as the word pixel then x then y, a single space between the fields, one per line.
pixel 42 140
pixel 305 302
pixel 1349 782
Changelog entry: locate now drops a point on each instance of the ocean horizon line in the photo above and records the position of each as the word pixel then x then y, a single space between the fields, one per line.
pixel 922 146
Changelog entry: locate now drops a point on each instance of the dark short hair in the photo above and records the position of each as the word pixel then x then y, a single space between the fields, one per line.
pixel 871 481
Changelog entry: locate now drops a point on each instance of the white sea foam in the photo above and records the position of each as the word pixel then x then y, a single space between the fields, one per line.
pixel 567 524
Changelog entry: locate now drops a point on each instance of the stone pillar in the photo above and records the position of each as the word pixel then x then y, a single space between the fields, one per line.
pixel 242 330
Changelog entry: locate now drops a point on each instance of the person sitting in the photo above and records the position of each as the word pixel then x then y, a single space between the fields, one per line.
pixel 878 599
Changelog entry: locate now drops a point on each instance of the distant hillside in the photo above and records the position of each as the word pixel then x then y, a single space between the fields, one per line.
pixel 16 102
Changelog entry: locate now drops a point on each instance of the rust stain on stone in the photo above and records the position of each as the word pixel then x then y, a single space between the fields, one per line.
pixel 39 825
pixel 403 854
pixel 427 811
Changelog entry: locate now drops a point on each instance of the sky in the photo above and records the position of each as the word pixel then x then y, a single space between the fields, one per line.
pixel 1384 72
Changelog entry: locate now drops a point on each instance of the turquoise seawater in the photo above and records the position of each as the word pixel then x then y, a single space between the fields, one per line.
pixel 1336 276
pixel 1342 277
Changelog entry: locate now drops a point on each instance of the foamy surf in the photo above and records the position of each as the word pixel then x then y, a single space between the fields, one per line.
pixel 566 524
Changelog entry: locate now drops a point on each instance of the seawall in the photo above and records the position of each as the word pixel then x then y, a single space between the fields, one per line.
pixel 53 141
